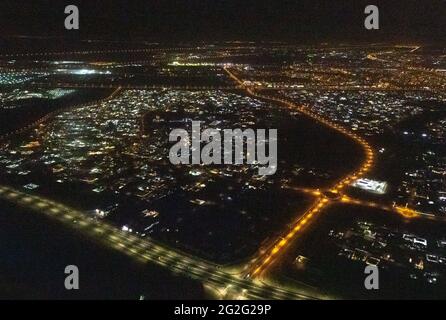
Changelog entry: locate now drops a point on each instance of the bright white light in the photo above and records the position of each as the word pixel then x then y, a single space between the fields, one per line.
pixel 374 186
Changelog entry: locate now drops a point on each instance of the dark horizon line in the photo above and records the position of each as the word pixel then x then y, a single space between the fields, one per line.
pixel 285 41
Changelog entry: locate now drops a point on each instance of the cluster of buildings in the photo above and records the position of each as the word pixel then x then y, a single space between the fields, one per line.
pixel 18 77
pixel 121 146
pixel 423 186
pixel 10 98
pixel 367 112
pixel 388 247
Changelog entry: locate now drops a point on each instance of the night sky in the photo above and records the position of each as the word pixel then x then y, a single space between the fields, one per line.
pixel 171 21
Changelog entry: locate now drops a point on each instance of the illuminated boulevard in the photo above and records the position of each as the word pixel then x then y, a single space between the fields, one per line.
pixel 265 260
pixel 222 282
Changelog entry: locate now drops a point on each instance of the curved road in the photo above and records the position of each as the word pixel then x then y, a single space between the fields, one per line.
pixel 265 260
